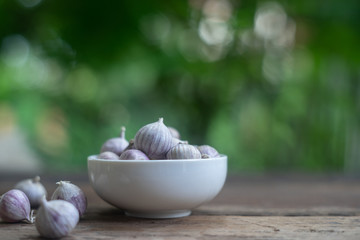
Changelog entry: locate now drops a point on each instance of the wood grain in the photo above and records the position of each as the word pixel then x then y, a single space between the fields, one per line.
pixel 112 224
pixel 248 207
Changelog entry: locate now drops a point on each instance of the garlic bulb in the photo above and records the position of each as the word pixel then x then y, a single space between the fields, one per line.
pixel 33 189
pixel 133 154
pixel 116 145
pixel 155 140
pixel 175 133
pixel 56 219
pixel 15 207
pixel 71 193
pixel 108 156
pixel 131 145
pixel 208 150
pixel 183 151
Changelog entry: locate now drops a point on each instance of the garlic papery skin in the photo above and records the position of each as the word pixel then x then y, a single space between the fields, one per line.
pixel 108 156
pixel 56 218
pixel 15 207
pixel 175 133
pixel 116 145
pixel 131 145
pixel 133 154
pixel 33 189
pixel 183 151
pixel 71 193
pixel 154 140
pixel 205 156
pixel 208 150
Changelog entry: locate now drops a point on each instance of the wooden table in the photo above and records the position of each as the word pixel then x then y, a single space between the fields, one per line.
pixel 262 207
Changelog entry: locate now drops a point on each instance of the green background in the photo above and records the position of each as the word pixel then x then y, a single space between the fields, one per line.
pixel 274 85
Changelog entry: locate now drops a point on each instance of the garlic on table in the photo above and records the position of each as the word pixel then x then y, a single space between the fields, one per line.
pixel 71 193
pixel 116 145
pixel 15 207
pixel 183 151
pixel 208 150
pixel 175 133
pixel 33 189
pixel 155 140
pixel 108 156
pixel 133 154
pixel 56 218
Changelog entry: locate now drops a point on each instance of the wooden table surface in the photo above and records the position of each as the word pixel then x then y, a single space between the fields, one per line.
pixel 262 207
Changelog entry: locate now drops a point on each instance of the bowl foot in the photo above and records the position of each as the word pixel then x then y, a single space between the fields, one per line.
pixel 161 214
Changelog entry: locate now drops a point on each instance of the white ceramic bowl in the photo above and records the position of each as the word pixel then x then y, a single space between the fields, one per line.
pixel 157 188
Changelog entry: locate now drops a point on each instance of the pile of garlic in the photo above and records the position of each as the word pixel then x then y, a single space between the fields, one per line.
pixel 154 141
pixel 55 218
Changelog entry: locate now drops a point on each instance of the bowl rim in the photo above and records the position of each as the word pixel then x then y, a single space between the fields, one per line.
pixel 94 158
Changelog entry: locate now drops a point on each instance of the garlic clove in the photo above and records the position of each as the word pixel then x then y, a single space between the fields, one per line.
pixel 56 218
pixel 154 140
pixel 133 154
pixel 15 207
pixel 131 145
pixel 205 156
pixel 33 189
pixel 108 156
pixel 208 150
pixel 175 133
pixel 116 145
pixel 183 151
pixel 71 193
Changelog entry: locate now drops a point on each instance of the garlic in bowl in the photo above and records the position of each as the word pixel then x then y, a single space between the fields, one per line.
pixel 157 175
pixel 157 188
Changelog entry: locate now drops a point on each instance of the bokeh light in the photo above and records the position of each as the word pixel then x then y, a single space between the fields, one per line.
pixel 272 84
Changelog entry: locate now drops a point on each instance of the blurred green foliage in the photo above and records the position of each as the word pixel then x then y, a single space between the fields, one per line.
pixel 274 85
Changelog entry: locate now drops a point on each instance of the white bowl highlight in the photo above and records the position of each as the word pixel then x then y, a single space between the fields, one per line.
pixel 157 188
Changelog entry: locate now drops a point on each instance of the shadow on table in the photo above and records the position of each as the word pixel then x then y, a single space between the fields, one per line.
pixel 116 215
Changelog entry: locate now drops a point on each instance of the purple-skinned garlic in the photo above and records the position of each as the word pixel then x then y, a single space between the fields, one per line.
pixel 71 193
pixel 175 133
pixel 15 207
pixel 116 145
pixel 133 154
pixel 155 140
pixel 33 189
pixel 56 218
pixel 131 145
pixel 208 150
pixel 183 151
pixel 108 156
